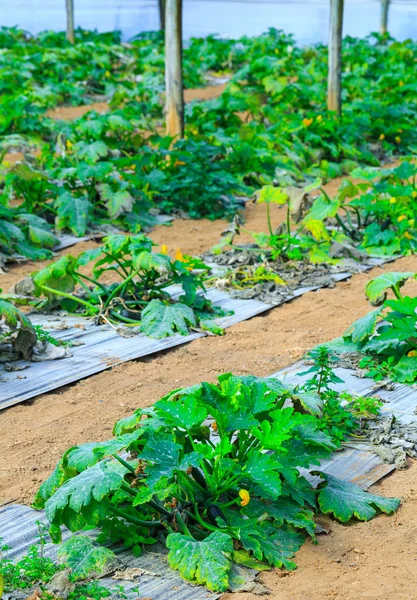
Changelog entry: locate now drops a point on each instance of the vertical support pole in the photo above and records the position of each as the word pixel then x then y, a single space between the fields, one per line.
pixel 69 4
pixel 384 17
pixel 161 4
pixel 334 95
pixel 174 108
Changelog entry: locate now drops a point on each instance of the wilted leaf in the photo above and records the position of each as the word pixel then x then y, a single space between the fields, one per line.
pixel 376 289
pixel 84 558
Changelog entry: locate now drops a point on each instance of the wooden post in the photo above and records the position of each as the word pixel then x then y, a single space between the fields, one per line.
pixel 334 97
pixel 69 4
pixel 161 4
pixel 174 108
pixel 384 17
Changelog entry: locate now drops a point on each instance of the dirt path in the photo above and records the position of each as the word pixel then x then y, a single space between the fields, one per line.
pixel 67 113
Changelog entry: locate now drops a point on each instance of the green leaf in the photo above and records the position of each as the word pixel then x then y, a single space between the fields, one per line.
pixel 242 557
pixel 273 434
pixel 117 202
pixel 58 275
pixel 283 510
pixel 91 152
pixel 161 320
pixel 148 261
pixel 88 454
pixel 405 371
pixel 72 213
pixel 57 478
pixel 270 194
pixel 280 546
pixel 185 412
pixel 162 456
pixel 322 209
pixel 376 289
pixel 84 558
pixel 362 329
pixel 345 500
pixel 84 495
pixel 207 562
pixel 310 401
pixel 263 470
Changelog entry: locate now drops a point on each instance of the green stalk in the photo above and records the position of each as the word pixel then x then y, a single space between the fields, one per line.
pixel 268 216
pixel 100 285
pixel 134 520
pixel 69 296
pixel 197 517
pixel 397 292
pixel 124 463
pixel 288 218
pixel 119 287
pixel 182 524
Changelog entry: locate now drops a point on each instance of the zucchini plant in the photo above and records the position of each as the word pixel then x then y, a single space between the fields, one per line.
pixel 213 472
pixel 139 295
pixel 386 338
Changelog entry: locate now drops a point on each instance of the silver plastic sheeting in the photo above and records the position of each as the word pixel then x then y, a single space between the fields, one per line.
pixel 101 347
pixel 20 527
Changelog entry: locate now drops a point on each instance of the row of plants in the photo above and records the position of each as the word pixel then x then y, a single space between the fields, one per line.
pixel 383 343
pixel 123 283
pixel 269 127
pixel 375 217
pixel 213 473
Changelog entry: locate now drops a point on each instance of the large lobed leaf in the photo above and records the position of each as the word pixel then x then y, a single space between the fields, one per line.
pixel 160 320
pixel 345 500
pixel 84 558
pixel 207 562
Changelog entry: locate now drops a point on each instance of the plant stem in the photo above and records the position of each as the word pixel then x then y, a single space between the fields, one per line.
pixel 69 296
pixel 268 216
pixel 132 519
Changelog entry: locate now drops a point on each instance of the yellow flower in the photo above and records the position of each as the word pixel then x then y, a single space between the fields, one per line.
pixel 414 194
pixel 307 122
pixel 319 118
pixel 411 222
pixel 132 167
pixel 398 139
pixel 401 83
pixel 393 200
pixel 244 495
pixel 107 73
pixel 164 249
pixel 401 218
pixel 382 136
pixel 408 235
pixel 178 163
pixel 412 353
pixel 68 144
pixel 214 426
pixel 179 255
